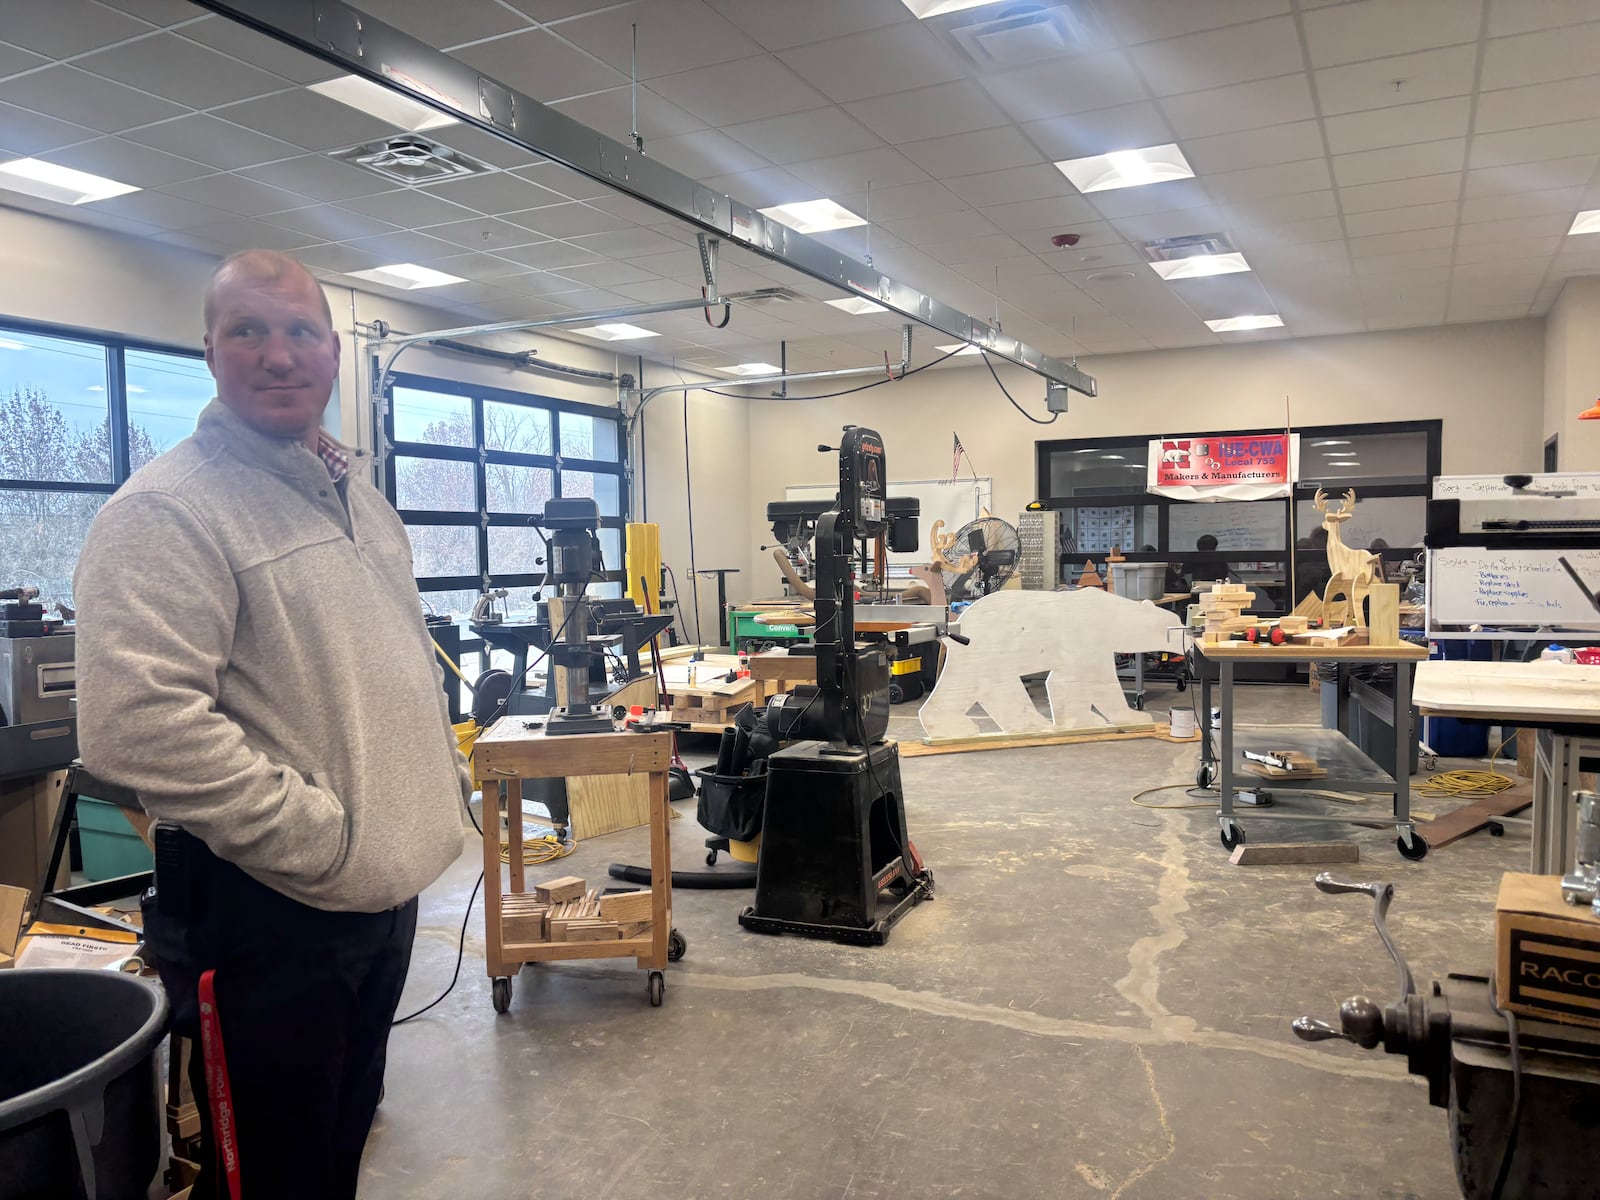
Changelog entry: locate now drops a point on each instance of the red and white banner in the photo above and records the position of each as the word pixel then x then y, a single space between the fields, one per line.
pixel 1260 466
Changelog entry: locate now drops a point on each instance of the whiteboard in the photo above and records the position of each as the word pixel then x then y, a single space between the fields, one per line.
pixel 1473 586
pixel 953 501
pixel 1493 487
pixel 1237 525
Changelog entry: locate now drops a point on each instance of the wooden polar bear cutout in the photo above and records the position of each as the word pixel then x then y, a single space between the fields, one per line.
pixel 1074 636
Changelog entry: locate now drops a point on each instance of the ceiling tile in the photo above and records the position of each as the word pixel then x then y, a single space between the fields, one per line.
pixel 1550 225
pixel 1431 75
pixel 319 177
pixel 608 274
pixel 569 183
pixel 257 49
pixel 629 243
pixel 127 162
pixel 330 223
pixel 1056 212
pixel 945 108
pixel 1401 125
pixel 611 113
pixel 69 94
pixel 1157 197
pixel 972 153
pixel 486 147
pixel 1240 106
pixel 407 246
pixel 798 137
pixel 853 172
pixel 1516 108
pixel 1532 176
pixel 1399 162
pixel 1279 210
pixel 495 194
pixel 15 58
pixel 483 234
pixel 1254 147
pixel 767 187
pixel 907 200
pixel 778 24
pixel 216 143
pixel 1148 20
pixel 158 12
pixel 941 228
pixel 307 120
pixel 539 64
pixel 1183 222
pixel 1050 90
pixel 1521 204
pixel 446 25
pixel 571 219
pixel 1399 193
pixel 1214 59
pixel 653 291
pixel 747 90
pixel 182 71
pixel 1281 179
pixel 1099 132
pixel 1351 32
pixel 698 155
pixel 1508 248
pixel 241 233
pixel 157 208
pixel 231 193
pixel 63 28
pixel 1393 220
pixel 484 267
pixel 673 36
pixel 1540 57
pixel 409 208
pixel 1532 145
pixel 1016 183
pixel 895 59
pixel 1313 237
pixel 1403 242
pixel 1521 16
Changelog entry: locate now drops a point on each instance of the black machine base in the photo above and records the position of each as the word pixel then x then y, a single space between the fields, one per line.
pixel 833 840
pixel 583 719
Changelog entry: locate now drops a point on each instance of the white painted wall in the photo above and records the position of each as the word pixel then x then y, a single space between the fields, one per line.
pixel 1572 374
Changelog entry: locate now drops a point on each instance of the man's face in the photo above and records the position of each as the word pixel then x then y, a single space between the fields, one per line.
pixel 272 354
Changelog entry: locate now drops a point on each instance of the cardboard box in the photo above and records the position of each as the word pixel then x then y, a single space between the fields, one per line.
pixel 13 906
pixel 1547 952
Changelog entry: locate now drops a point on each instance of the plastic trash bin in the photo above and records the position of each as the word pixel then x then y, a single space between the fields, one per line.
pixel 80 1107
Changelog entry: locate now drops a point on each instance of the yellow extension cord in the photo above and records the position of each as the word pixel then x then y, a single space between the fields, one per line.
pixel 1468 784
pixel 538 849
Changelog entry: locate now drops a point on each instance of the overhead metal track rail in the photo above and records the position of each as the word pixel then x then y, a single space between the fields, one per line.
pixel 364 46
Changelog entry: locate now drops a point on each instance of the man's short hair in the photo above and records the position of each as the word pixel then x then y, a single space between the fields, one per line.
pixel 1205 543
pixel 264 265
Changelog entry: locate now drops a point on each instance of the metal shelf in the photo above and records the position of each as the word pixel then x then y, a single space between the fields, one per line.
pixel 1349 770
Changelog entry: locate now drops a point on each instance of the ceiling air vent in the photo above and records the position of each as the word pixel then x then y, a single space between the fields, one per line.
pixel 1010 35
pixel 768 295
pixel 1189 246
pixel 409 158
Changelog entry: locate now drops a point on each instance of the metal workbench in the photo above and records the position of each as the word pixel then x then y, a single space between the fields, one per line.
pixel 1349 770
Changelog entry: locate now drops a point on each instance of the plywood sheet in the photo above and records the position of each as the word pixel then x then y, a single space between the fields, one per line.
pixel 1532 691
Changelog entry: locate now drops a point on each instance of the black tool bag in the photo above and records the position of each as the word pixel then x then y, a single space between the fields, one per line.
pixel 732 806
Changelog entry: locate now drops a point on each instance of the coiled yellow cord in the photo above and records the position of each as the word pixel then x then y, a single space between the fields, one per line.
pixel 1468 784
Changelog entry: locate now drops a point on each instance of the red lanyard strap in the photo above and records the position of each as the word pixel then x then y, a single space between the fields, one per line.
pixel 218 1090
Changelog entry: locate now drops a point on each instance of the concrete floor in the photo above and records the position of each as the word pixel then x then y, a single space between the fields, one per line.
pixel 1096 1004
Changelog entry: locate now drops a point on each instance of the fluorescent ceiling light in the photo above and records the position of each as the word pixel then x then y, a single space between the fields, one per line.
pixel 924 9
pixel 47 181
pixel 813 216
pixel 8 344
pixel 1339 453
pixel 1239 324
pixel 1586 222
pixel 1115 457
pixel 756 368
pixel 958 350
pixel 407 276
pixel 616 333
pixel 378 101
pixel 1197 266
pixel 1331 442
pixel 857 305
pixel 1126 168
pixel 1349 464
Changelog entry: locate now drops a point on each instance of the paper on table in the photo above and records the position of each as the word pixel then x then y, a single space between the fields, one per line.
pixel 1327 633
pixel 75 951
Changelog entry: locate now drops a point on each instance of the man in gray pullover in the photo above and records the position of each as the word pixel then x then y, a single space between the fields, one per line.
pixel 252 661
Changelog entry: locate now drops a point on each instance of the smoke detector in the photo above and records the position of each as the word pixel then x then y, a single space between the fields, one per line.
pixel 409 158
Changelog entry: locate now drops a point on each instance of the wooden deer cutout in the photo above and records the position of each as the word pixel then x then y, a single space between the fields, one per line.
pixel 1351 568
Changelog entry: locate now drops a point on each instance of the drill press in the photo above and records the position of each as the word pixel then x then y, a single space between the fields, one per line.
pixel 574 559
pixel 834 835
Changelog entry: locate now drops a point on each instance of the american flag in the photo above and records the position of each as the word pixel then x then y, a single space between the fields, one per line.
pixel 956 452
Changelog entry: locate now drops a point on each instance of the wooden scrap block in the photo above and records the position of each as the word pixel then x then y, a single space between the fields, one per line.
pixel 1383 614
pixel 626 906
pixel 633 929
pixel 525 925
pixel 1274 854
pixel 593 931
pixel 568 887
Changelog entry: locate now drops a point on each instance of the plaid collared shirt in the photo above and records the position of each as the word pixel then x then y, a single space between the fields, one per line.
pixel 333 457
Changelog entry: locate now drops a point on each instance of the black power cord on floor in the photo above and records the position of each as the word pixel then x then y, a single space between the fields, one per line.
pixel 461 949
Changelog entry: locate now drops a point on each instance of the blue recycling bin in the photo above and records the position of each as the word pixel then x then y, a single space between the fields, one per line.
pixel 1449 737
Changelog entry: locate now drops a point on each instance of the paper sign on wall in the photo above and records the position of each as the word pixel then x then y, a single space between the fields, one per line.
pixel 1224 466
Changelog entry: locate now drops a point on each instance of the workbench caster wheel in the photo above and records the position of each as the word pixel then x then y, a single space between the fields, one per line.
pixel 500 993
pixel 1496 829
pixel 711 858
pixel 656 985
pixel 1206 776
pixel 677 946
pixel 1182 683
pixel 1232 837
pixel 1416 851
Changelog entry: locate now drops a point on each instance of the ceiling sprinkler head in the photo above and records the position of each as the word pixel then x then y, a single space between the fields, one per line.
pixel 1065 239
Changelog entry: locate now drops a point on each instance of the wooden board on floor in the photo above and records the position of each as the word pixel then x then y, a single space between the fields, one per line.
pixel 1470 818
pixel 602 804
pixel 1279 854
pixel 1008 741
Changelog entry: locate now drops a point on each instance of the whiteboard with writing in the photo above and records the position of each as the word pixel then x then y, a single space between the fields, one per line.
pixel 1494 487
pixel 1237 525
pixel 1475 586
pixel 953 501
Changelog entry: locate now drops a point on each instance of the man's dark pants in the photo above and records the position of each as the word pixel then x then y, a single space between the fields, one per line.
pixel 304 998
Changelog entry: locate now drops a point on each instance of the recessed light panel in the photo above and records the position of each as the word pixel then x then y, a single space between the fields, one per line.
pixel 1127 168
pixel 1586 222
pixel 959 350
pixel 378 101
pixel 858 306
pixel 48 181
pixel 1240 324
pixel 923 9
pixel 755 368
pixel 616 333
pixel 813 216
pixel 1198 266
pixel 407 276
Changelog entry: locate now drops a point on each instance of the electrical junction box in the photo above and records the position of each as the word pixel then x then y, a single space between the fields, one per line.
pixel 1547 952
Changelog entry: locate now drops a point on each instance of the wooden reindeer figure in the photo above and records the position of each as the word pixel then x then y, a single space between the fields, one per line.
pixel 1353 570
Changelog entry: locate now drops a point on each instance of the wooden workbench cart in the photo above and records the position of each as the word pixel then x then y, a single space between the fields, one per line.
pixel 509 752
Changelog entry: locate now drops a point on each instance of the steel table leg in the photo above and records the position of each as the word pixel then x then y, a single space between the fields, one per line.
pixel 1225 764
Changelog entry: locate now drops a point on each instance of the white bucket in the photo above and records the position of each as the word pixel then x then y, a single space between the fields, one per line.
pixel 1183 725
